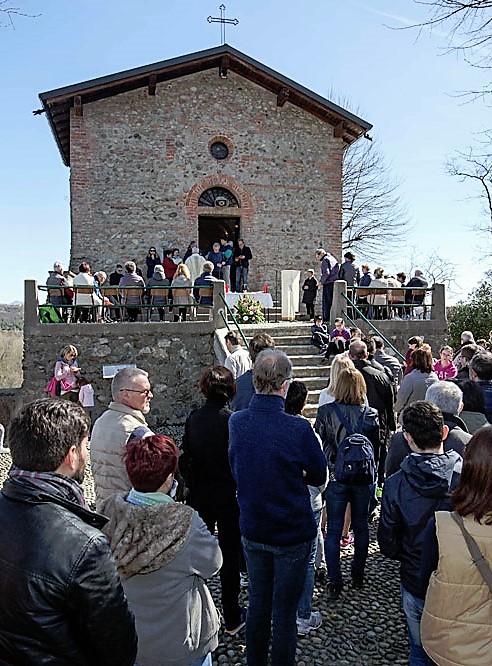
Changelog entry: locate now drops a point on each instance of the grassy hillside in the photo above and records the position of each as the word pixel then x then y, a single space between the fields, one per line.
pixel 11 340
pixel 11 317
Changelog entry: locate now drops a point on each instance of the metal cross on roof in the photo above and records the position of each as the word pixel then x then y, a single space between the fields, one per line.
pixel 222 20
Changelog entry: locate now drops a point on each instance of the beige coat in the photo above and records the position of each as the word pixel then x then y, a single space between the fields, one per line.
pixel 456 625
pixel 109 436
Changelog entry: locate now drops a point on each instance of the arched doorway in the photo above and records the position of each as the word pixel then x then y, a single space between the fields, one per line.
pixel 222 221
pixel 211 229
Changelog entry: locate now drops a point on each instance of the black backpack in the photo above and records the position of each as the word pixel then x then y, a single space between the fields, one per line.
pixel 354 459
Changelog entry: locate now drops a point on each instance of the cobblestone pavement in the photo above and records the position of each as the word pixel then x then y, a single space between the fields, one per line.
pixel 361 628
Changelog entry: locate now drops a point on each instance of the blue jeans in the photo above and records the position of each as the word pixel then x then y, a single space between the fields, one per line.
pixel 327 301
pixel 413 607
pixel 338 495
pixel 304 607
pixel 276 578
pixel 241 275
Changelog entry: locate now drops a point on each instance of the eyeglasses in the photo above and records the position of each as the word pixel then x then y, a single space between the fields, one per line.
pixel 145 392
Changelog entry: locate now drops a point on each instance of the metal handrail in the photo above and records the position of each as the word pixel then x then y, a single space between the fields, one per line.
pixel 369 322
pixel 231 313
pixel 388 288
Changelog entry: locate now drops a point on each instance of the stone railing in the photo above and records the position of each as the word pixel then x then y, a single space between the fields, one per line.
pixel 433 329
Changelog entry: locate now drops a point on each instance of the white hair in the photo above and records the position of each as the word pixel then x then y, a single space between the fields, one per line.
pixel 125 376
pixel 447 396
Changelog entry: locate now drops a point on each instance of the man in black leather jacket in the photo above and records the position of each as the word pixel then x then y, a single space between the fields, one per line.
pixel 61 600
pixel 380 396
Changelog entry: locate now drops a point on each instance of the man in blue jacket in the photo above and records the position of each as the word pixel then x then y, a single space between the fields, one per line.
pixel 481 372
pixel 410 498
pixel 274 457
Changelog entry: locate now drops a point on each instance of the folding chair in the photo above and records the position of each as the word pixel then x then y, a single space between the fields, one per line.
pixel 84 312
pixel 133 302
pixel 158 301
pixel 418 299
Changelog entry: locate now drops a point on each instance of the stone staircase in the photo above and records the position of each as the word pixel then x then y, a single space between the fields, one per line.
pixel 293 339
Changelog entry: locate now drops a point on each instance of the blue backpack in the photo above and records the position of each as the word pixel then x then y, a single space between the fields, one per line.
pixel 354 459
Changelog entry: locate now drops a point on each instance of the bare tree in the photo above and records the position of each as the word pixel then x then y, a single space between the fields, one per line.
pixel 476 165
pixel 469 23
pixel 437 268
pixel 8 12
pixel 470 33
pixel 374 217
pixel 434 266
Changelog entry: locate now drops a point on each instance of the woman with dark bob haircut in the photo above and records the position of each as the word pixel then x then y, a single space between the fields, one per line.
pixel 204 465
pixel 164 552
pixel 457 618
pixel 414 385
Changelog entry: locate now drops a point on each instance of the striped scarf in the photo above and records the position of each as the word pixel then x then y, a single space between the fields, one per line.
pixel 51 483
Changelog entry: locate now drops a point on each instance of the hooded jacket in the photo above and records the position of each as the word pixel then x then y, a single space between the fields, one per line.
pixel 410 497
pixel 164 553
pixel 458 437
pixel 61 600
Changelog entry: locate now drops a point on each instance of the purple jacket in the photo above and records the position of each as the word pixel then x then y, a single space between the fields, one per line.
pixel 329 268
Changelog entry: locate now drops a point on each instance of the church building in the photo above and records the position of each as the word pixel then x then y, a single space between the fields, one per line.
pixel 207 145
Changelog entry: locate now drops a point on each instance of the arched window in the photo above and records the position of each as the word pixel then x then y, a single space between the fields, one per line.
pixel 218 197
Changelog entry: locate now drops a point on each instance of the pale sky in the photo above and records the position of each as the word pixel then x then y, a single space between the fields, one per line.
pixel 404 84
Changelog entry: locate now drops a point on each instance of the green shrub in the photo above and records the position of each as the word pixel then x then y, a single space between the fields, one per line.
pixel 474 315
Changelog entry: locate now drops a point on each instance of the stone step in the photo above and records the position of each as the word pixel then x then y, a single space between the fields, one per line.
pixel 311 372
pixel 300 351
pixel 313 360
pixel 278 330
pixel 310 410
pixel 313 383
pixel 292 340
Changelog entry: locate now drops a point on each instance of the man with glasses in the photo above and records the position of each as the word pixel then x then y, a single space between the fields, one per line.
pixel 123 420
pixel 274 456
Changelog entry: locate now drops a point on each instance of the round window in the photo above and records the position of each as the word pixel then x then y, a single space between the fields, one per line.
pixel 219 150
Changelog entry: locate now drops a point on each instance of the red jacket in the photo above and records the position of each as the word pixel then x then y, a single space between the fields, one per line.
pixel 169 267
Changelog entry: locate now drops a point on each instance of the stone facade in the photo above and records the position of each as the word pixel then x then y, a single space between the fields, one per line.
pixel 174 357
pixel 174 354
pixel 139 164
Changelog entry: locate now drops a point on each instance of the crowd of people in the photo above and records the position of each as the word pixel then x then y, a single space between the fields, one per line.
pixel 126 583
pixel 172 284
pixel 393 297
